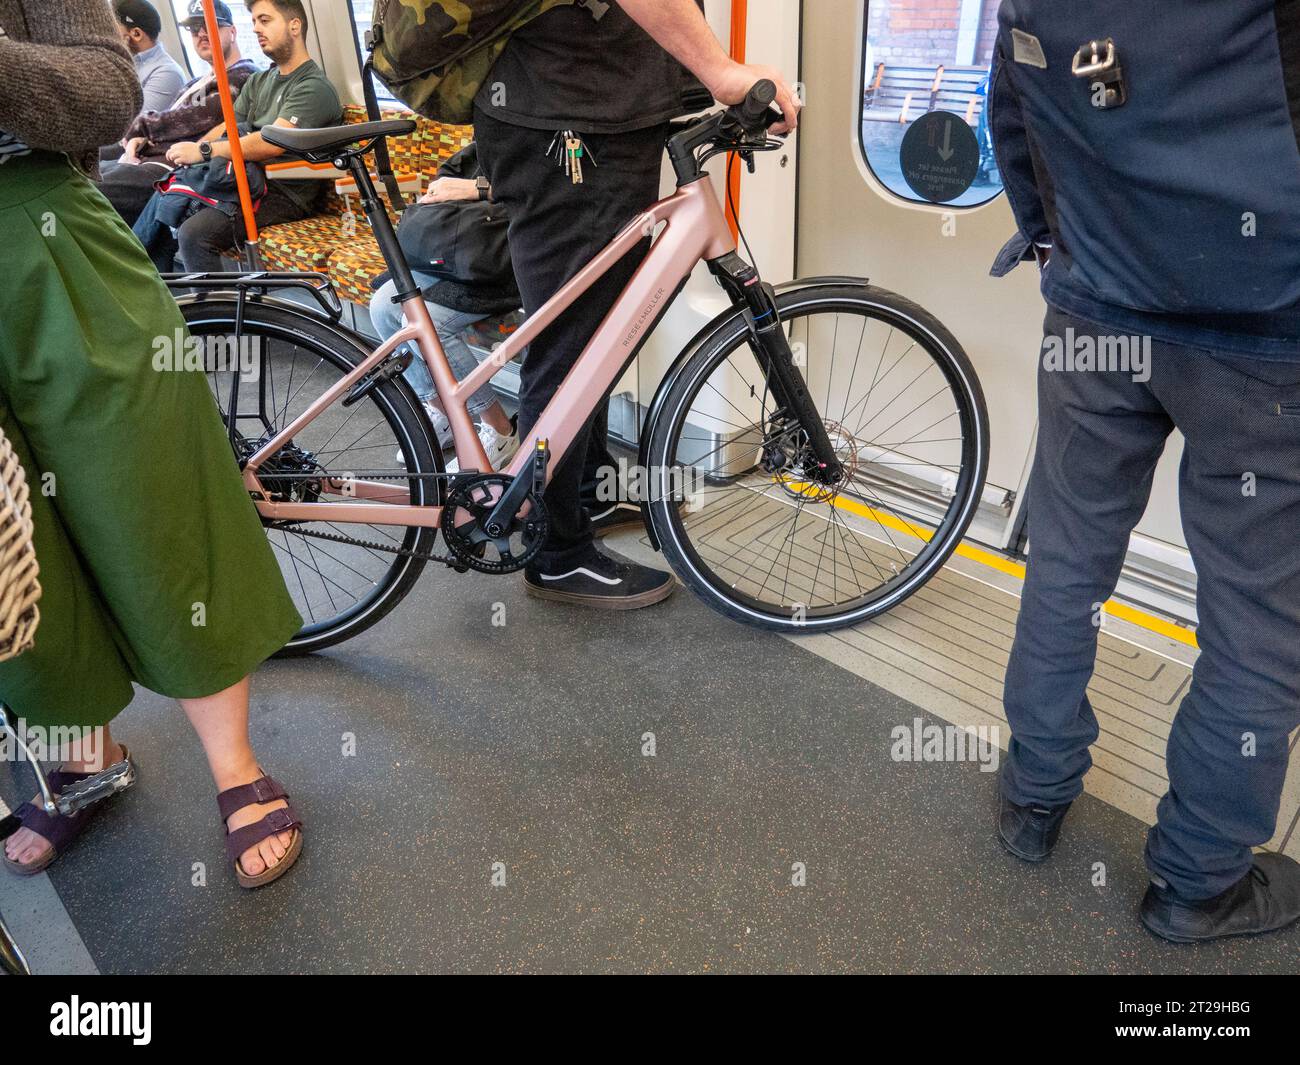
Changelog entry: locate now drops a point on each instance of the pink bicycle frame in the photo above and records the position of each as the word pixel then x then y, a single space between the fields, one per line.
pixel 696 229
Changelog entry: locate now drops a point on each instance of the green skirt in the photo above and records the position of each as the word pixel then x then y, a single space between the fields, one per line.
pixel 153 561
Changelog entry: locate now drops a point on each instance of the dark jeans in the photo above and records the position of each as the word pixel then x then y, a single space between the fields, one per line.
pixel 1100 436
pixel 208 232
pixel 556 228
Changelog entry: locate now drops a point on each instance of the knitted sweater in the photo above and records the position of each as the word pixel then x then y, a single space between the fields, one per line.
pixel 66 82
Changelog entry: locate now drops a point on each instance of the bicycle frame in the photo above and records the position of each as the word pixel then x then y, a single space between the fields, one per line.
pixel 695 230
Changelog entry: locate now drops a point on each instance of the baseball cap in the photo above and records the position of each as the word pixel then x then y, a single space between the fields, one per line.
pixel 194 19
pixel 139 14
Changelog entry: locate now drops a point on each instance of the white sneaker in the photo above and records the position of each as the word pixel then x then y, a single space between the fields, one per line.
pixel 441 426
pixel 500 449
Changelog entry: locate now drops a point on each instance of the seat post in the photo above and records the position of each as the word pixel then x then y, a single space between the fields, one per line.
pixel 383 231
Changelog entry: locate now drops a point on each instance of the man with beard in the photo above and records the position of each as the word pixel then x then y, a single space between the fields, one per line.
pixel 128 182
pixel 294 92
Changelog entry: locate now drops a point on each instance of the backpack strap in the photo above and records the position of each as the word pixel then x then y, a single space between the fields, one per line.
pixel 383 161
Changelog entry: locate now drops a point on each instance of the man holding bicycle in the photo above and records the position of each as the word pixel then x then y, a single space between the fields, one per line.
pixel 608 77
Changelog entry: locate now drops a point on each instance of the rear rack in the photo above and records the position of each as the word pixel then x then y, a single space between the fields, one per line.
pixel 260 283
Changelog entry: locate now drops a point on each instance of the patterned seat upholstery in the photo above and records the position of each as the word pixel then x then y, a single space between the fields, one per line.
pixel 342 247
pixel 354 267
pixel 305 245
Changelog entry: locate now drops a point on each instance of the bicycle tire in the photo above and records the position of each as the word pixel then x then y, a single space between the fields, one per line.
pixel 400 409
pixel 693 370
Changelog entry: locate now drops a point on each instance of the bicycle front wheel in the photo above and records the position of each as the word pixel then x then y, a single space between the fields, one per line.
pixel 343 577
pixel 761 538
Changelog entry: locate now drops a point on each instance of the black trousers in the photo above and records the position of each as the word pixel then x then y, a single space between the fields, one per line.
pixel 556 228
pixel 208 232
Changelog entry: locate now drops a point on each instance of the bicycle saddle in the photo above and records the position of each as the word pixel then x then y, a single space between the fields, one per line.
pixel 328 141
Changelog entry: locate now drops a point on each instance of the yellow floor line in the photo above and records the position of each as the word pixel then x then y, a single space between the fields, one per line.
pixel 1114 608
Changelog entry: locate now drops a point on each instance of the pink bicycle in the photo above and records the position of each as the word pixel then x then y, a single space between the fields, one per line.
pixel 811 458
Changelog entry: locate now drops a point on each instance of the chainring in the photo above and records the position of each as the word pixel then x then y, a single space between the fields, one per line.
pixel 470 542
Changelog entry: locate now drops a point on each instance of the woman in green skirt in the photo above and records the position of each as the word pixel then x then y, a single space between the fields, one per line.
pixel 154 565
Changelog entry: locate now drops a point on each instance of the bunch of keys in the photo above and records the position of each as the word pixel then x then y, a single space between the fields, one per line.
pixel 569 152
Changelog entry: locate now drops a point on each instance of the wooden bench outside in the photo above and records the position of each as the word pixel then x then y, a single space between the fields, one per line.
pixel 899 93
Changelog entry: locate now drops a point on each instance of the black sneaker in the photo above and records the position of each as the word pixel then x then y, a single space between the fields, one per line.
pixel 1265 899
pixel 601 580
pixel 612 517
pixel 1029 832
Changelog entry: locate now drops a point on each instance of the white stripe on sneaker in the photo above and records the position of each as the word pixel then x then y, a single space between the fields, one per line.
pixel 583 569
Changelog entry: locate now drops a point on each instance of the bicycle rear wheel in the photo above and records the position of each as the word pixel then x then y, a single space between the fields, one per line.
pixel 762 541
pixel 343 577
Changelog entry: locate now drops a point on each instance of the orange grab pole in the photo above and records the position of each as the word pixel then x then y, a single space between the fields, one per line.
pixel 232 132
pixel 739 27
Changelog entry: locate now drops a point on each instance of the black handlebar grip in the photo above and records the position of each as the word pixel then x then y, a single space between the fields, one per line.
pixel 756 109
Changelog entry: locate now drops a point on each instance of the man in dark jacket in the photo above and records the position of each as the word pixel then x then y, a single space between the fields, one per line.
pixel 128 181
pixel 1151 154
pixel 613 75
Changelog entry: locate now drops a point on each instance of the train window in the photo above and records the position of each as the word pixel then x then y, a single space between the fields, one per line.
pixel 362 13
pixel 248 46
pixel 924 83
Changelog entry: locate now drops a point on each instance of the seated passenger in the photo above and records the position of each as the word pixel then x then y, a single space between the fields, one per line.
pixel 294 92
pixel 161 77
pixel 454 307
pixel 128 182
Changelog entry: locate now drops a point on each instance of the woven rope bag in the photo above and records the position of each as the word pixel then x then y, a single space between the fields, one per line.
pixel 19 588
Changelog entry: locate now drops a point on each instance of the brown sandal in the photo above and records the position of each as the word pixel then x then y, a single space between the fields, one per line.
pixel 231 801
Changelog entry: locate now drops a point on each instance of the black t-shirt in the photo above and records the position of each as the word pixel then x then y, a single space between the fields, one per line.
pixel 567 70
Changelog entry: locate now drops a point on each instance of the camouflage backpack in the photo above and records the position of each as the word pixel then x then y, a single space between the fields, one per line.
pixel 434 55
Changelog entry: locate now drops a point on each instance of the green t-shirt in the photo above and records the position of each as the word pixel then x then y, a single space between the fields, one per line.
pixel 304 98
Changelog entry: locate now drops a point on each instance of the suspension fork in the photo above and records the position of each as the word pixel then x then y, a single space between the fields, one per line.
pixel 775 358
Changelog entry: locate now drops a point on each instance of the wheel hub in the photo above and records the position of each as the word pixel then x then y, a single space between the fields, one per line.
pixel 793 465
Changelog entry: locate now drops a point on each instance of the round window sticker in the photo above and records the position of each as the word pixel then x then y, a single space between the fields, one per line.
pixel 940 156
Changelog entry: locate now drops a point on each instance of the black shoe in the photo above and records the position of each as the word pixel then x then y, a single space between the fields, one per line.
pixel 615 517
pixel 600 580
pixel 611 517
pixel 1029 832
pixel 1264 900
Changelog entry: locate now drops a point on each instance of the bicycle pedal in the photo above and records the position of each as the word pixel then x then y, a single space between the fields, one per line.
pixel 83 793
pixel 541 459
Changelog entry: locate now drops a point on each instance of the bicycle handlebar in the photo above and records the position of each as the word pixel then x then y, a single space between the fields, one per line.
pixel 742 127
pixel 754 113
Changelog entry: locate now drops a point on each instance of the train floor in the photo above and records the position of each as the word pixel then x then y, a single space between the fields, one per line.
pixel 496 784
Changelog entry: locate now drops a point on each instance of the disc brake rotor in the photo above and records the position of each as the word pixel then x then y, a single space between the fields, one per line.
pixel 790 461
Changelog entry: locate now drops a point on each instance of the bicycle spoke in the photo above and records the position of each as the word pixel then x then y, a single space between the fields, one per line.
pixel 773 534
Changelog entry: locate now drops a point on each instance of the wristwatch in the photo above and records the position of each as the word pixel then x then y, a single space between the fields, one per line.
pixel 484 188
pixel 205 150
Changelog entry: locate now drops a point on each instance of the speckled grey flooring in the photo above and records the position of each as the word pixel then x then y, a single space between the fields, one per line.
pixel 522 745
